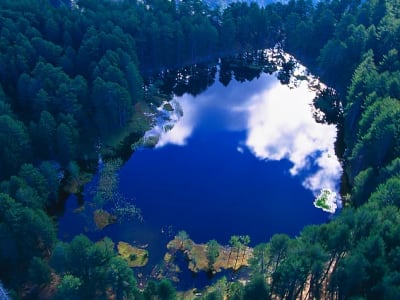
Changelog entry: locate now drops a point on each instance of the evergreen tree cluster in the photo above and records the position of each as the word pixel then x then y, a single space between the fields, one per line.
pixel 71 72
pixel 353 45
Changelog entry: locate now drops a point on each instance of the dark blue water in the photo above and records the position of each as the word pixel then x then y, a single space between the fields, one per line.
pixel 213 191
pixel 211 180
pixel 224 170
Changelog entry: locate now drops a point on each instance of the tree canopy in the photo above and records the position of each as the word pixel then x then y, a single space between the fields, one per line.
pixel 71 75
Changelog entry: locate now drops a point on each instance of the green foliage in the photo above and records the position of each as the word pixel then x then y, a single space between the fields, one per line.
pixel 95 268
pixel 69 288
pixel 391 170
pixel 388 192
pixel 43 135
pixel 378 144
pixel 39 271
pixel 121 279
pixel 260 262
pixel 278 247
pixel 162 290
pixel 33 177
pixel 362 85
pixel 212 252
pixel 165 290
pixel 363 186
pixel 15 143
pixel 70 75
pixel 58 259
pixel 235 247
pixel 256 289
pixel 215 295
pixel 235 291
pixel 29 232
pixel 150 291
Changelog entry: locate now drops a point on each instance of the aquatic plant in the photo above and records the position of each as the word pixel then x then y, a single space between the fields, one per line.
pixel 124 210
pixel 108 181
pixel 106 192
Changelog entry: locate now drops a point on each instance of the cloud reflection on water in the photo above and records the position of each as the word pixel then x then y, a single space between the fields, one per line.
pixel 281 125
pixel 278 122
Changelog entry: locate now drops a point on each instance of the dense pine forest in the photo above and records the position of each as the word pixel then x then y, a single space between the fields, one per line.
pixel 72 76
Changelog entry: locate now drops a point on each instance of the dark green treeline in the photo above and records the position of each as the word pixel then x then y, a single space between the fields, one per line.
pixel 71 74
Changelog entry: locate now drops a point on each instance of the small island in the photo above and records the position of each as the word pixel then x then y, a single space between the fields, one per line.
pixel 136 257
pixel 326 200
pixel 210 257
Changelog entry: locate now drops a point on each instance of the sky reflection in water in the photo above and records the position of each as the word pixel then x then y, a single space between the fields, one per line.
pixel 208 176
pixel 278 121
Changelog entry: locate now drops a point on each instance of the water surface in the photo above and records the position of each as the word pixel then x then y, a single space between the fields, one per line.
pixel 247 158
pixel 244 159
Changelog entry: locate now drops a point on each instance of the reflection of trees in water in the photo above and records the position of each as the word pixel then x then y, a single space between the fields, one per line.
pixel 286 72
pixel 328 102
pixel 242 67
pixel 246 66
pixel 193 80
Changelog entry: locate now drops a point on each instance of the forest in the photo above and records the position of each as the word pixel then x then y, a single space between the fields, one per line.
pixel 72 76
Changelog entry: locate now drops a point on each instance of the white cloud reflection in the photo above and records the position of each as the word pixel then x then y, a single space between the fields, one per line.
pixel 281 125
pixel 278 122
pixel 183 125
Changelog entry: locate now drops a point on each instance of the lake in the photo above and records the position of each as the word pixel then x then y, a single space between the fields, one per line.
pixel 244 157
